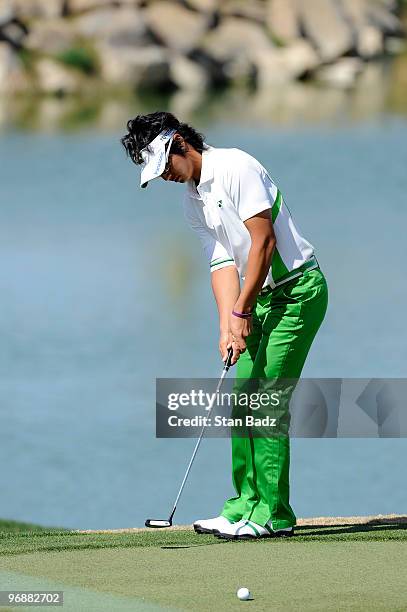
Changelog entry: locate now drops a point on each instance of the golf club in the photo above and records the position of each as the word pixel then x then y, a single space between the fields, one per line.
pixel 158 523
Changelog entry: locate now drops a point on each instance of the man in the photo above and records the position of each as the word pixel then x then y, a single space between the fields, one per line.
pixel 247 233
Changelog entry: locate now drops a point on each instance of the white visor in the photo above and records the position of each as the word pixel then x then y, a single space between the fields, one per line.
pixel 155 159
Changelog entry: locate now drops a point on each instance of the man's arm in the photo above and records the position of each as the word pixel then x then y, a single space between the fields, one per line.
pixel 224 277
pixel 263 240
pixel 226 289
pixel 226 285
pixel 261 251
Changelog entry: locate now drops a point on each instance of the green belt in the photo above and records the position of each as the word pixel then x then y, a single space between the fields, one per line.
pixel 310 264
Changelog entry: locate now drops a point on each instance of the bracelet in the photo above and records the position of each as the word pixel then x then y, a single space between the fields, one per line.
pixel 242 315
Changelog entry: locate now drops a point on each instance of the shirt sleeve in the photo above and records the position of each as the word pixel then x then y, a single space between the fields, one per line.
pixel 250 188
pixel 216 254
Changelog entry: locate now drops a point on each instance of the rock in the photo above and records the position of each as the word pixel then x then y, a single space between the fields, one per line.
pixel 122 27
pixel 12 75
pixel 390 5
pixel 378 14
pixel 355 12
pixel 224 44
pixel 324 25
pixel 54 78
pixel 369 42
pixel 81 6
pixel 51 36
pixel 188 75
pixel 368 38
pixel 213 68
pixel 255 10
pixel 14 33
pixel 384 19
pixel 299 58
pixel 175 26
pixel 41 9
pixel 147 67
pixel 342 74
pixel 270 69
pixel 7 12
pixel 204 6
pixel 282 19
pixel 286 64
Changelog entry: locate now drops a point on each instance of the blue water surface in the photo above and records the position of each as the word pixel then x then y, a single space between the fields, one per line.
pixel 104 288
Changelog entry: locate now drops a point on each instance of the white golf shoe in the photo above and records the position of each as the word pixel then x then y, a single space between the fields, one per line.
pixel 220 523
pixel 247 530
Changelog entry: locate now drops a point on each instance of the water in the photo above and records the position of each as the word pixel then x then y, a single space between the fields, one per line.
pixel 104 288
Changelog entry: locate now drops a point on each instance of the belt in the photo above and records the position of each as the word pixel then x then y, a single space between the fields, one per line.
pixel 311 264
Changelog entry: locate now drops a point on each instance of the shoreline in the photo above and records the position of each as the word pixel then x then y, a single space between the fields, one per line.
pixel 320 521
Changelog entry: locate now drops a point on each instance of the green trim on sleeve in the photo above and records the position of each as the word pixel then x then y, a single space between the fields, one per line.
pixel 216 263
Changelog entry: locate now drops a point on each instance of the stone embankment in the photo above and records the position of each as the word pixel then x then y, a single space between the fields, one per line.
pixel 68 46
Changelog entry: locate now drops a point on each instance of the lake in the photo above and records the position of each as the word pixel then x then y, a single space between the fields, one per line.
pixel 104 288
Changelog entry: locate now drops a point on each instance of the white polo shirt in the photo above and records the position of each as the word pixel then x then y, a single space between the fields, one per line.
pixel 233 187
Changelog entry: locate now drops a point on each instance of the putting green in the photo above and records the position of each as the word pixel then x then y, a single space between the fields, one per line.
pixel 180 570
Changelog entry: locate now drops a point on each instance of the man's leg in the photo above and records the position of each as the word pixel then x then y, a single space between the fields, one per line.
pixel 291 319
pixel 234 507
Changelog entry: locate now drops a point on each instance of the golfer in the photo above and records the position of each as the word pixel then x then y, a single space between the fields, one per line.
pixel 270 293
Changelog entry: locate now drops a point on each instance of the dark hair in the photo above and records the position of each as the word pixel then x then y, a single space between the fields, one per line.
pixel 144 128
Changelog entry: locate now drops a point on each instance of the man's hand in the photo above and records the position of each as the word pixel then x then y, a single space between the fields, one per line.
pixel 225 342
pixel 235 337
pixel 239 329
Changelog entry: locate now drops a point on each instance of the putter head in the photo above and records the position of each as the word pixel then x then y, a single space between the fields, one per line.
pixel 157 523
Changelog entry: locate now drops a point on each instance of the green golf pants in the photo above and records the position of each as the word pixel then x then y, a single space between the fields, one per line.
pixel 285 322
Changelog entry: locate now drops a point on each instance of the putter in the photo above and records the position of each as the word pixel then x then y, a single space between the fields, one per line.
pixel 158 523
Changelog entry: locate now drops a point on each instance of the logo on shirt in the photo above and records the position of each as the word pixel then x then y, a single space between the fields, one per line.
pixel 220 203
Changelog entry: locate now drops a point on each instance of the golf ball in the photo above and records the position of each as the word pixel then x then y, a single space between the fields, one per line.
pixel 243 594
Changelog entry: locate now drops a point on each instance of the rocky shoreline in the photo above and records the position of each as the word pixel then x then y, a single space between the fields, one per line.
pixel 70 46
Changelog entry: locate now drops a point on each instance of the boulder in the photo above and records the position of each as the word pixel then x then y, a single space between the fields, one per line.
pixel 175 26
pixel 50 36
pixel 147 67
pixel 282 19
pixel 368 39
pixel 299 58
pixel 7 12
pixel 122 27
pixel 224 45
pixel 341 74
pixel 255 10
pixel 390 5
pixel 204 6
pixel 13 78
pixel 369 42
pixel 355 11
pixel 54 78
pixel 188 75
pixel 384 19
pixel 215 69
pixel 324 25
pixel 286 64
pixel 41 9
pixel 81 6
pixel 14 32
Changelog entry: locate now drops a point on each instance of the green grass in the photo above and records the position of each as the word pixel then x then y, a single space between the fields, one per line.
pixel 17 538
pixel 359 567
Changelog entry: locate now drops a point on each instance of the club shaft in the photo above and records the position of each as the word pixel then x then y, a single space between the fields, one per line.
pixel 225 369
